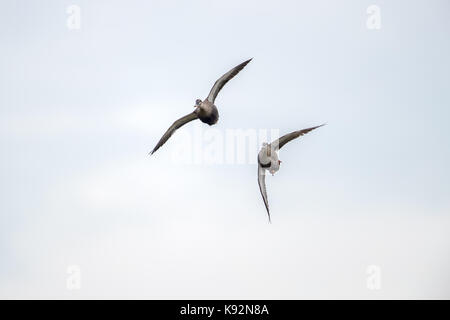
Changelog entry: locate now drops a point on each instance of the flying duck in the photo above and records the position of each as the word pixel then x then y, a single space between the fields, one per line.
pixel 268 159
pixel 205 110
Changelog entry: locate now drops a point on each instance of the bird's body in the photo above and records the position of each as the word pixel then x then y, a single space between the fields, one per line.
pixel 268 160
pixel 205 110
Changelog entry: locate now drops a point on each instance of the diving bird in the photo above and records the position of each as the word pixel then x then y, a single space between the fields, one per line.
pixel 205 110
pixel 268 159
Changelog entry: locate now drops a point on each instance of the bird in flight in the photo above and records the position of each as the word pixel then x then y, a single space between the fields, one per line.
pixel 268 159
pixel 205 110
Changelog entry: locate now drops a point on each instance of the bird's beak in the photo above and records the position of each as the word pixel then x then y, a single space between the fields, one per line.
pixel 279 162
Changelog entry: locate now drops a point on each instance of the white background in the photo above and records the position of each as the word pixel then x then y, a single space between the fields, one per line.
pixel 80 109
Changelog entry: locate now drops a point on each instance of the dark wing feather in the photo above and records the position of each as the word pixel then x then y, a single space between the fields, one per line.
pixel 262 187
pixel 177 124
pixel 280 142
pixel 218 85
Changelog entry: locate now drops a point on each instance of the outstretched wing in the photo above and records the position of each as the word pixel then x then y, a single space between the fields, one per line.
pixel 218 85
pixel 177 124
pixel 280 142
pixel 262 187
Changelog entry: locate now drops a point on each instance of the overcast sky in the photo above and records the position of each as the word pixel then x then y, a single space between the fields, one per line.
pixel 81 107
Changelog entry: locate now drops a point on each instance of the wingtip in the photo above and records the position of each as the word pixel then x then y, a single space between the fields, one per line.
pixel 320 125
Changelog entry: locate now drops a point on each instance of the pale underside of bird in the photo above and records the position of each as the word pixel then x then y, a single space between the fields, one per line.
pixel 268 160
pixel 205 110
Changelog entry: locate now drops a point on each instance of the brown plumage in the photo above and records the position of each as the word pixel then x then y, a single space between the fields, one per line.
pixel 177 124
pixel 205 110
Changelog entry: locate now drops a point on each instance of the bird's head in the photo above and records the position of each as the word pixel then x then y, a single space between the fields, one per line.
pixel 198 102
pixel 274 167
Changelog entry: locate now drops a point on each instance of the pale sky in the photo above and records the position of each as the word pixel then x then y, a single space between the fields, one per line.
pixel 81 108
